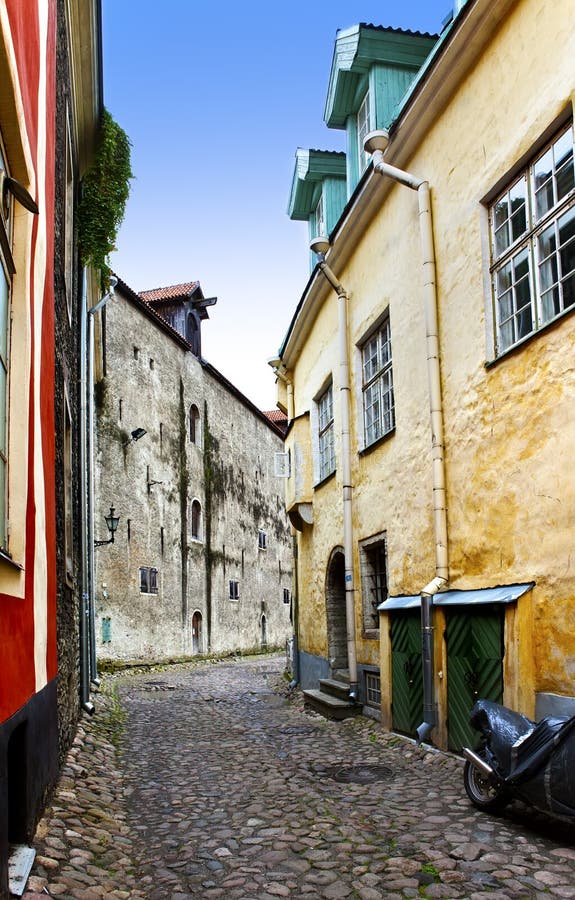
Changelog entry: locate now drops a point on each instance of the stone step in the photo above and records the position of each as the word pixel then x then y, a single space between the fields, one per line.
pixel 329 706
pixel 335 688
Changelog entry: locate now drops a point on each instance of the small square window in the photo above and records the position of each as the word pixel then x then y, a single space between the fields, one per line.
pixel 262 540
pixel 148 580
pixel 234 590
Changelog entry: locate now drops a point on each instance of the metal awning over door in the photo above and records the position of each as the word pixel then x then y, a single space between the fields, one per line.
pixel 503 594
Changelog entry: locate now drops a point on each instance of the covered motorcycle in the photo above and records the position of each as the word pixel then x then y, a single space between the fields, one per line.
pixel 518 758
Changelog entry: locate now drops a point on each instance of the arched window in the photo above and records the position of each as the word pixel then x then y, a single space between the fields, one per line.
pixel 195 425
pixel 196 520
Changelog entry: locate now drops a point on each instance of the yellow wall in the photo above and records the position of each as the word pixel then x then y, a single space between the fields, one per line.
pixel 510 427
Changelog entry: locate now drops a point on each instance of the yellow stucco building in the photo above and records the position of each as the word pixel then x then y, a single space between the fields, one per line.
pixel 428 372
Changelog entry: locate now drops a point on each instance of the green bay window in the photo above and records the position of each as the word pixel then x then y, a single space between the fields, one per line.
pixel 533 245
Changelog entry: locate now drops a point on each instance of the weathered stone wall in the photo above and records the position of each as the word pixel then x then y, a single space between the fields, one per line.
pixel 151 382
pixel 67 391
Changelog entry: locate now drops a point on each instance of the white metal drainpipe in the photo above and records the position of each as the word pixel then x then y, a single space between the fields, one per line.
pixel 376 143
pixel 90 612
pixel 346 474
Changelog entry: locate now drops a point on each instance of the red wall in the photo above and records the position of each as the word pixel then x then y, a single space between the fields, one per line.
pixel 17 671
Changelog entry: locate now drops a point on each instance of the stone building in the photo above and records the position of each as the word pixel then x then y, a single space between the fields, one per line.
pixel 201 560
pixel 427 372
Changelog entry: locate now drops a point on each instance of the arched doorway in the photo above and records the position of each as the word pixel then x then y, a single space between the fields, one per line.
pixel 335 610
pixel 196 633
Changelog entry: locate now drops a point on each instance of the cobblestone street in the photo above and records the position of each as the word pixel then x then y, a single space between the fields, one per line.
pixel 205 780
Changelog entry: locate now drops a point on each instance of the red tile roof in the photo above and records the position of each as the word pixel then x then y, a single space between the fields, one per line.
pixel 170 293
pixel 275 415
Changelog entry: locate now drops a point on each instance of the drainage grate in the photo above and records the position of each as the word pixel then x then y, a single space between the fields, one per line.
pixel 298 729
pixel 355 774
pixel 157 686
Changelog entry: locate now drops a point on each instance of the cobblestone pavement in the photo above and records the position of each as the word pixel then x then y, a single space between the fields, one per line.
pixel 205 781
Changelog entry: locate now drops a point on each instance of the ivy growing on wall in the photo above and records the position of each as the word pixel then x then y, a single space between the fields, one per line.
pixel 106 187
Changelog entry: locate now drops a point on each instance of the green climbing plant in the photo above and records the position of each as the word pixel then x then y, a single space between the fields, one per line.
pixel 105 191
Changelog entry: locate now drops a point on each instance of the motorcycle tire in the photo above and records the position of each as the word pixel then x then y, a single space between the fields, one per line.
pixel 481 790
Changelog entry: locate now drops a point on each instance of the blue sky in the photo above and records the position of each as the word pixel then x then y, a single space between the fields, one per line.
pixel 216 97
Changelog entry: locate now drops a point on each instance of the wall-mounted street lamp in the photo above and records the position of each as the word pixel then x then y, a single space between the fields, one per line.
pixel 112 523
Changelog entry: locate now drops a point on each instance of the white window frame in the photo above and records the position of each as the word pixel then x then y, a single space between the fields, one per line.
pixel 363 127
pixel 378 403
pixel 319 217
pixel 326 433
pixel 529 286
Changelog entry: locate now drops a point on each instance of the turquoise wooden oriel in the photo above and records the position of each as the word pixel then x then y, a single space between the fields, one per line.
pixel 319 176
pixel 383 61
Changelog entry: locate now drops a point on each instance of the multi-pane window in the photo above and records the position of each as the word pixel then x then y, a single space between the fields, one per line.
pixel 373 689
pixel 363 129
pixel 234 587
pixel 533 244
pixel 373 562
pixel 326 434
pixel 378 403
pixel 6 272
pixel 319 218
pixel 148 580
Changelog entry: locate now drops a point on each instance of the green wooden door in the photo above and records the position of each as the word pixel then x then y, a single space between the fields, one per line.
pixel 406 672
pixel 474 667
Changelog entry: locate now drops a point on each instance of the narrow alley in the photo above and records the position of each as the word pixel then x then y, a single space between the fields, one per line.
pixel 207 780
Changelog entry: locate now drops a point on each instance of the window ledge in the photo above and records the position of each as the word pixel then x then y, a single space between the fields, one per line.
pixel 325 480
pixel 384 437
pixel 529 337
pixel 7 560
pixel 371 634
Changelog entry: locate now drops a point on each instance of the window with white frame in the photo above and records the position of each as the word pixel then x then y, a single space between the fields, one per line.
pixel 319 218
pixel 377 385
pixel 363 129
pixel 533 244
pixel 373 567
pixel 234 590
pixel 326 433
pixel 148 580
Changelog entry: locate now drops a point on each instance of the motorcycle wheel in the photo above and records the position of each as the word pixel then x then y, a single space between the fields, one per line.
pixel 481 790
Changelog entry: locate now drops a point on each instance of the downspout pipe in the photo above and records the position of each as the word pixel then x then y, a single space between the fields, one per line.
pixel 84 623
pixel 375 143
pixel 91 604
pixel 320 246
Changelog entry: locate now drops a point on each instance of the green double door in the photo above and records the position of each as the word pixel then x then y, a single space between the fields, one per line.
pixel 474 668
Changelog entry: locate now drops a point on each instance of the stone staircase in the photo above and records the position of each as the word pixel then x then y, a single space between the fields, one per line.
pixel 332 700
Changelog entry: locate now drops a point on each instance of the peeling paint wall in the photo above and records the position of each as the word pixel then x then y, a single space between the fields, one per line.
pixel 151 382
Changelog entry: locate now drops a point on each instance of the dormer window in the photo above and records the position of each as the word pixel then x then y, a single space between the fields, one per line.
pixel 319 218
pixel 193 333
pixel 363 128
